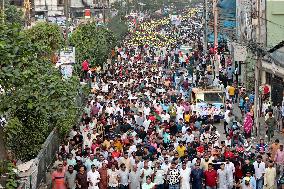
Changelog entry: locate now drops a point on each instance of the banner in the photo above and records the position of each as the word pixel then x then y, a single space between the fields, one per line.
pixel 240 53
pixel 87 13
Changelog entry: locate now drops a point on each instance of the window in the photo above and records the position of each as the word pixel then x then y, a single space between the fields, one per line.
pixel 60 2
pixel 268 78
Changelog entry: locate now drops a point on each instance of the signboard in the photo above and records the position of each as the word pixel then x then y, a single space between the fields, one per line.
pixel 240 53
pixel 67 56
pixel 66 70
pixel 203 109
pixel 87 13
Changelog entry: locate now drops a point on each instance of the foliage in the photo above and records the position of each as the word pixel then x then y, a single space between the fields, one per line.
pixel 47 37
pixel 118 27
pixel 93 43
pixel 36 97
pixel 13 15
pixel 26 136
pixel 11 182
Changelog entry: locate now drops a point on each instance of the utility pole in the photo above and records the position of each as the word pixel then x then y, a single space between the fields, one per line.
pixel 104 13
pixel 205 46
pixel 66 13
pixel 215 12
pixel 258 66
pixel 27 12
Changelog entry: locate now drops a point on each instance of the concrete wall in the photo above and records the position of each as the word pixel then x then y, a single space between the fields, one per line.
pixel 245 22
pixel 275 18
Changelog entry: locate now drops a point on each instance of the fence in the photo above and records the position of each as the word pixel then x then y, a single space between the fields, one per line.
pixel 38 167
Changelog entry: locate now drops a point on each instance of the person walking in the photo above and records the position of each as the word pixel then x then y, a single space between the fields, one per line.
pixel 270 124
pixel 58 181
pixel 81 178
pixel 93 177
pixel 185 176
pixel 197 177
pixel 134 178
pixel 279 160
pixel 173 176
pixel 159 176
pixel 85 69
pixel 270 177
pixel 259 168
pixel 123 175
pixel 222 177
pixel 113 177
pixel 103 175
pixel 70 177
pixel 210 177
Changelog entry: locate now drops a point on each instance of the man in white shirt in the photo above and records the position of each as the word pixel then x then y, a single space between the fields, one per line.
pixel 146 171
pixel 230 169
pixel 123 175
pixel 93 177
pixel 146 123
pixel 146 110
pixel 109 109
pixel 259 167
pixel 165 116
pixel 159 175
pixel 90 162
pixel 188 137
pixel 166 165
pixel 113 177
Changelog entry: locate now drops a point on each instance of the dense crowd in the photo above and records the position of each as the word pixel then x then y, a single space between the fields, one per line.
pixel 140 128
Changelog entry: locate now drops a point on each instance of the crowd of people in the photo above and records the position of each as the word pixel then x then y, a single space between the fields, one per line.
pixel 140 129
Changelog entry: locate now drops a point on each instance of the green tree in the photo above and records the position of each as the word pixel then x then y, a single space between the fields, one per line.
pixel 36 97
pixel 92 42
pixel 46 37
pixel 13 15
pixel 118 27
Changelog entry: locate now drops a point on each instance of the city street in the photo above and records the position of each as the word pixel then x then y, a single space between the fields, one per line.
pixel 142 95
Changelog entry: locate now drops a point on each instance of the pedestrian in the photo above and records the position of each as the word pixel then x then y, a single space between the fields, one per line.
pixel 81 178
pixel 230 170
pixel 210 177
pixel 222 177
pixel 173 176
pixel 113 177
pixel 249 181
pixel 123 175
pixel 93 177
pixel 270 124
pixel 159 176
pixel 70 177
pixel 185 173
pixel 259 167
pixel 85 69
pixel 103 175
pixel 134 178
pixel 279 160
pixel 270 177
pixel 148 184
pixel 58 178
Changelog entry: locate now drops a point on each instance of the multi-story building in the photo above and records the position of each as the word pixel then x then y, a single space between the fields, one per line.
pixel 273 64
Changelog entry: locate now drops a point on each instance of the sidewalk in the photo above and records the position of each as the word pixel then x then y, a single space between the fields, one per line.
pixel 277 135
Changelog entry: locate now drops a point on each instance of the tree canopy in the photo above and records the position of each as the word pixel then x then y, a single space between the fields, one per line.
pixel 36 98
pixel 92 42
